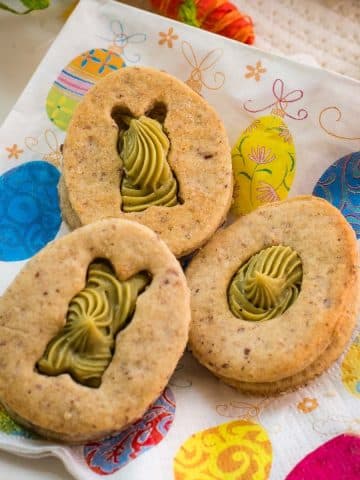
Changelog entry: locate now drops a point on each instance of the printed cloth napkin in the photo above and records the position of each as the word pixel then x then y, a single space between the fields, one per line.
pixel 199 428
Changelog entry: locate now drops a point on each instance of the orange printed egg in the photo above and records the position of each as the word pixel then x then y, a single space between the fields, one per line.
pixel 233 450
pixel 76 79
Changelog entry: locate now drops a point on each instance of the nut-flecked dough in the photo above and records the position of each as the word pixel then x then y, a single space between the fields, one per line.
pixel 33 310
pixel 199 157
pixel 284 352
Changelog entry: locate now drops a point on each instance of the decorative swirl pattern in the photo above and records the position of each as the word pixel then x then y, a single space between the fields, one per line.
pixel 148 179
pixel 266 285
pixel 84 347
pixel 30 214
pixel 337 119
pixel 234 450
pixel 107 456
pixel 340 185
pixel 282 101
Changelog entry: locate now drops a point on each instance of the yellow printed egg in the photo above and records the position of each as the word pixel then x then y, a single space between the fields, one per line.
pixel 263 164
pixel 233 450
pixel 350 369
pixel 76 79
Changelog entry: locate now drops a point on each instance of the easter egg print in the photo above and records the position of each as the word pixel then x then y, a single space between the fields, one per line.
pixel 340 185
pixel 107 456
pixel 234 450
pixel 264 164
pixel 76 79
pixel 30 215
pixel 350 369
pixel 8 426
pixel 337 459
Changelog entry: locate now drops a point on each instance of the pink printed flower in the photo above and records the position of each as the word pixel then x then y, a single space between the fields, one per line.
pixel 261 155
pixel 266 193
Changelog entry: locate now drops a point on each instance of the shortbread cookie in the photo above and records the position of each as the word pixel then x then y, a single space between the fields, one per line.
pixel 143 146
pixel 91 330
pixel 274 296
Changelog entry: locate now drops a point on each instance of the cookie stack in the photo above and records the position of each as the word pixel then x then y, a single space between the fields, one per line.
pixel 82 326
pixel 274 296
pixel 97 321
pixel 143 146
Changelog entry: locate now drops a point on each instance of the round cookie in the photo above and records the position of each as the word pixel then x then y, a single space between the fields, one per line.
pixel 91 330
pixel 290 348
pixel 182 191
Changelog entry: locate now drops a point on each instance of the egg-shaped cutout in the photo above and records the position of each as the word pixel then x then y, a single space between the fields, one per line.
pixel 350 368
pixel 340 185
pixel 233 450
pixel 337 459
pixel 30 215
pixel 76 79
pixel 107 456
pixel 264 164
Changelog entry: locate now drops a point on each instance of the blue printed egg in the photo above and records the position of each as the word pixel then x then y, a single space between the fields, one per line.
pixel 30 215
pixel 340 185
pixel 76 79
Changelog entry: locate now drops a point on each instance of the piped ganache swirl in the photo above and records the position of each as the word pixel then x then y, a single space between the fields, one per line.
pixel 148 179
pixel 85 345
pixel 266 285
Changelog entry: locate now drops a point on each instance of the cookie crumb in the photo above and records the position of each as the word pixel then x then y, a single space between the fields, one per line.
pixel 327 303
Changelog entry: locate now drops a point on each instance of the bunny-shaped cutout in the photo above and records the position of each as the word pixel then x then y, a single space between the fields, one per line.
pixel 84 347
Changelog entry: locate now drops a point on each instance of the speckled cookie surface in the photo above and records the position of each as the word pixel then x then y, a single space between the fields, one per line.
pixel 285 351
pixel 199 157
pixel 33 310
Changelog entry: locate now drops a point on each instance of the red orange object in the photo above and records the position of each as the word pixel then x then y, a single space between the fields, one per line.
pixel 217 16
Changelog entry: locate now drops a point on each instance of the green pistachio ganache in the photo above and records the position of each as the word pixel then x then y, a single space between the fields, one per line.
pixel 148 178
pixel 266 285
pixel 85 345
